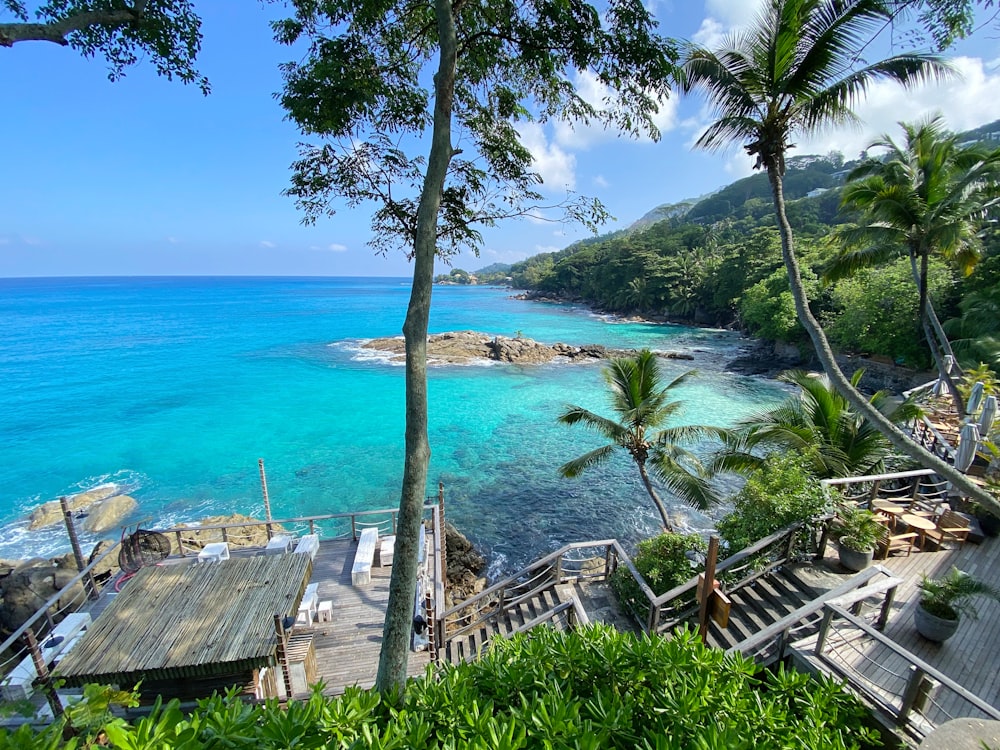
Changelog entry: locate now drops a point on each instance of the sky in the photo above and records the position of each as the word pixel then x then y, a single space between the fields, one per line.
pixel 148 177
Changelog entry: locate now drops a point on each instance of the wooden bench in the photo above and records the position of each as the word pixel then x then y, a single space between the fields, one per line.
pixel 19 683
pixel 278 545
pixel 307 609
pixel 361 573
pixel 308 545
pixel 386 551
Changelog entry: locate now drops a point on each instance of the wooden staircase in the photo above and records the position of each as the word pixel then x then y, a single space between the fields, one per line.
pixel 761 603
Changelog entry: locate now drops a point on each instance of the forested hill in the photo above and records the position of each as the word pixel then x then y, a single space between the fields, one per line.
pixel 717 260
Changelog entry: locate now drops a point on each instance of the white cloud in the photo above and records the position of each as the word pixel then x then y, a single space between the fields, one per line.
pixel 547 249
pixel 600 181
pixel 267 243
pixel 337 248
pixel 556 167
pixel 966 103
pixel 173 240
pixel 711 34
pixel 734 13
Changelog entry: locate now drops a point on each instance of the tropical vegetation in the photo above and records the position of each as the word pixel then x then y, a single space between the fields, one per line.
pixel 952 595
pixel 927 197
pixel 587 690
pixel 818 424
pixel 664 562
pixel 781 491
pixel 643 405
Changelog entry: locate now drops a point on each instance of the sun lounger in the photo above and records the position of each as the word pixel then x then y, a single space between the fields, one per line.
pixel 361 573
pixel 308 545
pixel 278 545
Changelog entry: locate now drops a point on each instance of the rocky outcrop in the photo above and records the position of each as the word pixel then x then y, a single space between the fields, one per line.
pixel 108 513
pixel 50 513
pixel 464 566
pixel 32 584
pixel 250 533
pixel 461 347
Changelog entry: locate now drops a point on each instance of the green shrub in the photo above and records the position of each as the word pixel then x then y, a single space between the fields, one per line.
pixel 782 491
pixel 594 688
pixel 663 562
pixel 768 309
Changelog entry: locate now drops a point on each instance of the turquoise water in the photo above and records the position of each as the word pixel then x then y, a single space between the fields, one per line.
pixel 174 387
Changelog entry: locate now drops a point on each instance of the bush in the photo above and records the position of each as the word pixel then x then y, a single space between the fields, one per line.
pixel 663 562
pixel 768 308
pixel 590 689
pixel 782 491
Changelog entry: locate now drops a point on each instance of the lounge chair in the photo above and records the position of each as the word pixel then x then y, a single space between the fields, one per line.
pixel 889 543
pixel 951 527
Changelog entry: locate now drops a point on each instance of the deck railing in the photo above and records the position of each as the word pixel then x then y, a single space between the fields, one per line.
pixel 904 689
pixel 901 487
pixel 876 582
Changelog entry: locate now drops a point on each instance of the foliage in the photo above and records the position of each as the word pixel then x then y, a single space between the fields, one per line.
pixel 975 336
pixel 782 491
pixel 642 402
pixel 590 689
pixel 951 597
pixel 819 425
pixel 858 529
pixel 663 562
pixel 167 32
pixel 982 373
pixel 768 310
pixel 876 311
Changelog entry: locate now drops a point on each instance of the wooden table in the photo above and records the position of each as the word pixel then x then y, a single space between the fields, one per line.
pixel 889 509
pixel 919 523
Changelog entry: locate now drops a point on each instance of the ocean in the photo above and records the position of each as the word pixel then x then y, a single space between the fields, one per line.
pixel 172 388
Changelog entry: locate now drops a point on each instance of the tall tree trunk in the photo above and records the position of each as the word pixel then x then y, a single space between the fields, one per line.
pixel 931 326
pixel 664 516
pixel 394 655
pixel 893 434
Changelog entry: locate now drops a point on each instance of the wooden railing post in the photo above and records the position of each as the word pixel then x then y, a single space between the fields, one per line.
pixel 824 539
pixel 790 544
pixel 354 527
pixel 876 486
pixel 609 557
pixel 282 656
pixel 42 669
pixel 653 621
pixel 918 691
pixel 557 570
pixel 88 582
pixel 824 630
pixel 704 612
pixel 431 627
pixel 180 544
pixel 883 615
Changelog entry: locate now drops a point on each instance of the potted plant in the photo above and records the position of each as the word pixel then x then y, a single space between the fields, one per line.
pixel 944 600
pixel 859 532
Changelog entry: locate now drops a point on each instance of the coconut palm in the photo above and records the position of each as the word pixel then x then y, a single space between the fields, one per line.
pixel 929 196
pixel 643 404
pixel 818 423
pixel 793 72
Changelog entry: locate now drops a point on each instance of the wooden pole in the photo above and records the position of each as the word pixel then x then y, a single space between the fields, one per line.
pixel 88 581
pixel 282 656
pixel 708 587
pixel 42 669
pixel 444 540
pixel 263 489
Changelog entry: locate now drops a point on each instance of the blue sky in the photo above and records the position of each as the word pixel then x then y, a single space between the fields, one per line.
pixel 144 176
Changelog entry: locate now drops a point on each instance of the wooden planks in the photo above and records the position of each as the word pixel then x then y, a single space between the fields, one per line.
pixel 190 620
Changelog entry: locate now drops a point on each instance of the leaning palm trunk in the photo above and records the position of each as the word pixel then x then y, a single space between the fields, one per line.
pixel 893 434
pixel 648 484
pixel 934 332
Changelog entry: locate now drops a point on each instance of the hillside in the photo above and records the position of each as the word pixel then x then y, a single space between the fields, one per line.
pixel 716 260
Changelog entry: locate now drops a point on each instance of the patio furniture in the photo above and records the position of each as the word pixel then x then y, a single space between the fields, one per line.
pixel 889 510
pixel 888 543
pixel 324 613
pixel 278 545
pixel 950 527
pixel 307 608
pixel 920 523
pixel 214 552
pixel 386 551
pixel 361 573
pixel 19 682
pixel 308 545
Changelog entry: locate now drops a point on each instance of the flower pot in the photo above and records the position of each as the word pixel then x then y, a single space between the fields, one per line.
pixel 989 523
pixel 932 627
pixel 855 560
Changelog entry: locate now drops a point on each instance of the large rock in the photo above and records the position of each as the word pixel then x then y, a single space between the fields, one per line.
pixel 27 589
pixel 108 513
pixel 50 513
pixel 250 532
pixel 108 566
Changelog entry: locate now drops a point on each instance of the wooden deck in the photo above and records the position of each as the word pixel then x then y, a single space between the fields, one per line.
pixel 971 657
pixel 347 649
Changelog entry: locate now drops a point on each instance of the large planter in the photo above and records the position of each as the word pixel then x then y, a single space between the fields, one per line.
pixel 989 523
pixel 854 560
pixel 932 627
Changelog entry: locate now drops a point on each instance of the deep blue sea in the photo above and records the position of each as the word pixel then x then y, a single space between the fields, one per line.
pixel 174 387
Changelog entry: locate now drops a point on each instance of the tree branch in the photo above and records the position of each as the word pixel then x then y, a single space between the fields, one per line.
pixel 57 31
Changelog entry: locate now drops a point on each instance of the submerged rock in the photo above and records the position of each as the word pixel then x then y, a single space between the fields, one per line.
pixel 51 513
pixel 108 513
pixel 250 533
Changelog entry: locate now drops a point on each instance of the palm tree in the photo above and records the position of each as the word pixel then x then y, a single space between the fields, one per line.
pixel 643 404
pixel 818 423
pixel 793 72
pixel 930 196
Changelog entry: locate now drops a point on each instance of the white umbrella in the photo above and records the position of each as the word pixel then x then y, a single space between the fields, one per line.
pixel 968 441
pixel 949 363
pixel 988 415
pixel 975 398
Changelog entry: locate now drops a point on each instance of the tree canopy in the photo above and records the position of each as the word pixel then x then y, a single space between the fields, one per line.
pixel 168 32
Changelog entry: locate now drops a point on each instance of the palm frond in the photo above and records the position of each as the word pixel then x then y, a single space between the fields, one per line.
pixel 602 425
pixel 596 457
